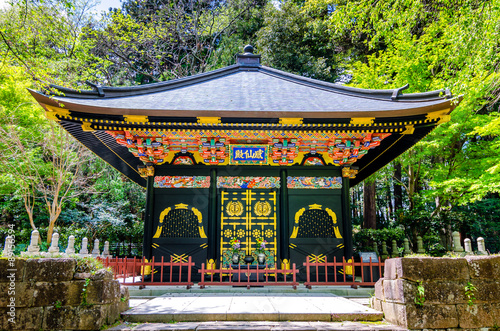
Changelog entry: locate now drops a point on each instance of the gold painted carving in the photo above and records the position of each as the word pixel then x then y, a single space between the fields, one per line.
pixel 53 111
pixel 135 118
pixel 291 121
pixel 441 114
pixel 362 121
pixel 349 173
pixel 409 129
pixel 208 120
pixel 86 127
pixel 262 208
pixel 317 258
pixel 234 208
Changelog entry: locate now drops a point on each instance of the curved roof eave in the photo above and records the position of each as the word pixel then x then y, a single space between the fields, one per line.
pixel 406 109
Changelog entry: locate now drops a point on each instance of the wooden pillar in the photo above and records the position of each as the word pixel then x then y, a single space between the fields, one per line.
pixel 284 222
pixel 213 245
pixel 147 249
pixel 346 217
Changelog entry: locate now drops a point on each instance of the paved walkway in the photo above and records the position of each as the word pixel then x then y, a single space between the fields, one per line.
pixel 196 307
pixel 261 326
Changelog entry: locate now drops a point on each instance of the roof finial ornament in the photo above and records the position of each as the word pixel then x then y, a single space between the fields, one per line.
pixel 248 49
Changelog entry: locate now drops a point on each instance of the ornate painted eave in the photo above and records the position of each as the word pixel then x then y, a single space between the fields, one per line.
pixel 247 103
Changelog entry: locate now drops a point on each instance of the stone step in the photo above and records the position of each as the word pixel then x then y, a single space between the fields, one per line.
pixel 260 326
pixel 250 307
pixel 344 291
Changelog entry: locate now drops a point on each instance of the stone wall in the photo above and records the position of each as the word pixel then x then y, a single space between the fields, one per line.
pixel 46 294
pixel 445 304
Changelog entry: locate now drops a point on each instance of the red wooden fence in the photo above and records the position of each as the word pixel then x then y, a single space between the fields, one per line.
pixel 327 273
pixel 249 276
pixel 133 271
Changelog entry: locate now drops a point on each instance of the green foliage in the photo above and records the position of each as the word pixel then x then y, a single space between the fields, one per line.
pixel 419 298
pixel 295 38
pixel 470 289
pixel 58 304
pixel 87 265
pixel 84 294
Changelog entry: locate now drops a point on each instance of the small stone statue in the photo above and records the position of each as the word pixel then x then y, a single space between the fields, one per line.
pixel 468 246
pixel 95 251
pixel 9 247
pixel 375 247
pixel 481 250
pixel 406 245
pixel 385 253
pixel 420 245
pixel 84 250
pixel 457 247
pixel 105 252
pixel 395 252
pixel 33 248
pixel 71 245
pixel 54 245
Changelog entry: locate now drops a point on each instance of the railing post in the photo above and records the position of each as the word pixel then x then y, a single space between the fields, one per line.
pixel 202 281
pixel 189 271
pixel 326 269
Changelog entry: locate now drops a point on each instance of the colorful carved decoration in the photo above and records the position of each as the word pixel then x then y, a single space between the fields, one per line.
pixel 314 182
pixel 315 222
pixel 174 223
pixel 248 182
pixel 347 151
pixel 349 173
pixel 213 150
pixel 284 151
pixel 183 160
pixel 182 182
pixel 212 146
pixel 314 161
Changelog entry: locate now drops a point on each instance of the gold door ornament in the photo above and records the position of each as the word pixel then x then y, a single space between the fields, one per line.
pixel 234 208
pixel 262 208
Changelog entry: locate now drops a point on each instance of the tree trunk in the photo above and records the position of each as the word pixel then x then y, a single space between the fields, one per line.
pixel 369 212
pixel 398 192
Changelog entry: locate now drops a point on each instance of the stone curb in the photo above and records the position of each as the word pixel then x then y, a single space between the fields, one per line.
pixel 258 326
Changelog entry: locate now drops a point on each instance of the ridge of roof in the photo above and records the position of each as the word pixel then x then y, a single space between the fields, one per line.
pixel 109 92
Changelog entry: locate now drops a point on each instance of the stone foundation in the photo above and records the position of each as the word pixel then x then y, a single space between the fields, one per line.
pixel 444 280
pixel 48 294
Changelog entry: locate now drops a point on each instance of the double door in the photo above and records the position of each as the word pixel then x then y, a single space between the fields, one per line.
pixel 248 214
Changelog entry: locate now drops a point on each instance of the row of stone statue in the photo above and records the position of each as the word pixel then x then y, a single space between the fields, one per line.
pixel 34 249
pixel 457 247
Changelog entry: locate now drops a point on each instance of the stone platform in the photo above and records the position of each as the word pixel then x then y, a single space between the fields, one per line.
pixel 251 306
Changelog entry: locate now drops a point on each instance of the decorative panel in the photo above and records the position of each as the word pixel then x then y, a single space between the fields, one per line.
pixel 315 222
pixel 181 221
pixel 248 182
pixel 314 182
pixel 248 154
pixel 182 182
